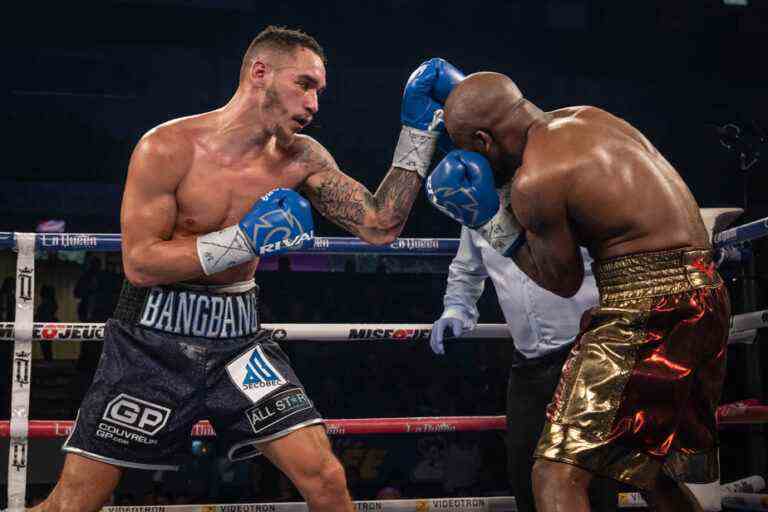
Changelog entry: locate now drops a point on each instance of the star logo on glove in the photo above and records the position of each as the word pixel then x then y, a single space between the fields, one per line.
pixel 458 203
pixel 276 232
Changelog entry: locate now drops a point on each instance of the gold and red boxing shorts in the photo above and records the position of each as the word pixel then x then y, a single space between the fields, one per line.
pixel 640 388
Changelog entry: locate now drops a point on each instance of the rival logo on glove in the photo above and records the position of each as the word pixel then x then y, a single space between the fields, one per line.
pixel 286 243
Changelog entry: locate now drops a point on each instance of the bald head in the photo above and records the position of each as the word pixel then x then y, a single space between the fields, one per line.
pixel 479 102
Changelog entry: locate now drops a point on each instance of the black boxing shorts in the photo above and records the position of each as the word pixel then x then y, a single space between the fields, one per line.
pixel 174 355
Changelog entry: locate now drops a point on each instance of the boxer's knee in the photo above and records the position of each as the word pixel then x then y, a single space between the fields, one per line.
pixel 323 483
pixel 66 502
pixel 550 476
pixel 85 485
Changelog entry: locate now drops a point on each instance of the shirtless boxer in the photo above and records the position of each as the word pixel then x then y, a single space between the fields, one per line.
pixel 636 401
pixel 207 195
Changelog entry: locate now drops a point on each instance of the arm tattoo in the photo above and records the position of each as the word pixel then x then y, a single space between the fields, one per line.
pixel 342 201
pixel 346 202
pixel 396 194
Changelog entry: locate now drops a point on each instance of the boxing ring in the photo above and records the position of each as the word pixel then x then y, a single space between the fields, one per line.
pixel 732 245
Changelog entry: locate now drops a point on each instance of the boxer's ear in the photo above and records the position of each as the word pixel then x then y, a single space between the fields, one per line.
pixel 482 142
pixel 258 71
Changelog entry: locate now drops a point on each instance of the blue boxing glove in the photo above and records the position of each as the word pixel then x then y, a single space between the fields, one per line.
pixel 426 91
pixel 462 187
pixel 443 324
pixel 278 222
pixel 421 114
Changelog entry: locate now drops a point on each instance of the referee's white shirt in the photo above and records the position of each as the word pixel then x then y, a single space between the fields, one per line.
pixel 539 321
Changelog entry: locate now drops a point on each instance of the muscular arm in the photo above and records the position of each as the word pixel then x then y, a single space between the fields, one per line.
pixel 148 216
pixel 376 218
pixel 550 255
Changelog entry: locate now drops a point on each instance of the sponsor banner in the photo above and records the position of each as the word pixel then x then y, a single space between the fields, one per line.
pixel 58 332
pixel 436 427
pixel 321 243
pixel 61 429
pixel 453 504
pixel 495 504
pixel 390 334
pixel 130 419
pixel 139 508
pixel 68 332
pixel 255 507
pixel 95 332
pixel 335 429
pixel 277 408
pixel 254 375
pixel 366 506
pixel 416 244
pixel 67 240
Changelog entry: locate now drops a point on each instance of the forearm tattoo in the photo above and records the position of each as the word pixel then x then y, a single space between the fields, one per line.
pixel 342 201
pixel 396 194
pixel 349 204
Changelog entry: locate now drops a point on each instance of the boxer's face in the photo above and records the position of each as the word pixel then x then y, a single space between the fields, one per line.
pixel 503 161
pixel 507 159
pixel 291 98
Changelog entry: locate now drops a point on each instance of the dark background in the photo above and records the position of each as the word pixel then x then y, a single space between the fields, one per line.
pixel 82 83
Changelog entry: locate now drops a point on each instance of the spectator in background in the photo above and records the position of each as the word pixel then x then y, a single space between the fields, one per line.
pixel 463 462
pixel 164 498
pixel 98 290
pixel 46 312
pixel 86 286
pixel 389 493
pixel 103 297
pixel 7 305
pixel 8 299
pixel 149 498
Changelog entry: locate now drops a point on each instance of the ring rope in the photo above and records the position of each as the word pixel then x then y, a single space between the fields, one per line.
pixel 736 413
pixel 743 330
pixel 350 245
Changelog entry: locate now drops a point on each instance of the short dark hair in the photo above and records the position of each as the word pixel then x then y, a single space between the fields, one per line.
pixel 282 39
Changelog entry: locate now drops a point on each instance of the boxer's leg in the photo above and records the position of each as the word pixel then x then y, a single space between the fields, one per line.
pixel 305 456
pixel 668 495
pixel 258 405
pixel 560 487
pixel 85 485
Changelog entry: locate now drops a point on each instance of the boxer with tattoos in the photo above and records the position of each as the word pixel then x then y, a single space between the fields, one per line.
pixel 207 196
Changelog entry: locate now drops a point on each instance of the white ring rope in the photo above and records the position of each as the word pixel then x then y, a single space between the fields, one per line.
pixel 743 330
